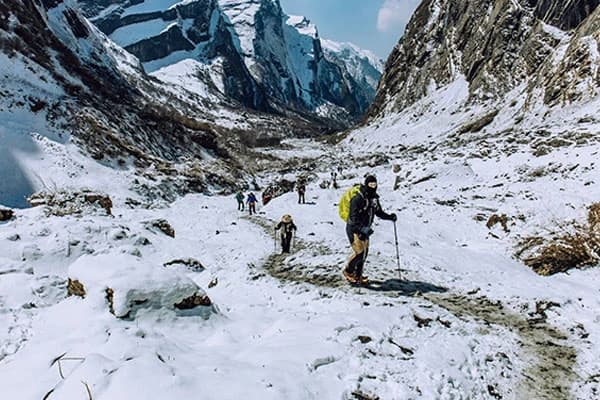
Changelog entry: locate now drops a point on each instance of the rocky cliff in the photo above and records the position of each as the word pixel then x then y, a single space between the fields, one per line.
pixel 546 49
pixel 250 50
pixel 63 82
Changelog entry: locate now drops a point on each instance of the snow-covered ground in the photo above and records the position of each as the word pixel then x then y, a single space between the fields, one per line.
pixel 465 321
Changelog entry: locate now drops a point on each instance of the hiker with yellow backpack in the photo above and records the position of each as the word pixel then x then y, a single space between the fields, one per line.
pixel 358 207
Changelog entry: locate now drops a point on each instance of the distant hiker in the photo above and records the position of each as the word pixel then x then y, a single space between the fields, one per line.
pixel 301 188
pixel 267 196
pixel 251 200
pixel 287 227
pixel 364 205
pixel 240 200
pixel 334 184
pixel 339 170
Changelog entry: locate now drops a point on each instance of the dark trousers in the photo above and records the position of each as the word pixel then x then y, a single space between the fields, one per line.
pixel 286 241
pixel 360 251
pixel 301 198
pixel 252 208
pixel 240 206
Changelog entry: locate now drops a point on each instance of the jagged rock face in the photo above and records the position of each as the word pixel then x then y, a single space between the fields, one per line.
pixel 49 32
pixel 576 76
pixel 495 45
pixel 204 27
pixel 362 70
pixel 71 74
pixel 566 14
pixel 263 61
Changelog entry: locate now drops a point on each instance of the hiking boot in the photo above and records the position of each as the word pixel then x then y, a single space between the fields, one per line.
pixel 364 280
pixel 350 278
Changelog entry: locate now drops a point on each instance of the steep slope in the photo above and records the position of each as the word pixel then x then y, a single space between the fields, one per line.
pixel 364 66
pixel 495 49
pixel 248 50
pixel 64 83
pixel 486 123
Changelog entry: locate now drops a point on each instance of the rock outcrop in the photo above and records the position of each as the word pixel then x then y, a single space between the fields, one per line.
pixel 548 48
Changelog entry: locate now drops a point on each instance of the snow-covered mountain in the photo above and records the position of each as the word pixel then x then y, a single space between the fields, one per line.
pixel 486 287
pixel 66 87
pixel 545 51
pixel 250 50
pixel 362 65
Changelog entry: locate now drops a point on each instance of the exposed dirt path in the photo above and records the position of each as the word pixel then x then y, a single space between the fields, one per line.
pixel 550 371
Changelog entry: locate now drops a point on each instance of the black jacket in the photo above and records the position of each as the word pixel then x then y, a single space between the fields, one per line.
pixel 288 227
pixel 363 209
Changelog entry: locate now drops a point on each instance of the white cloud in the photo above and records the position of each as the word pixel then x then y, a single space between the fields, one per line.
pixel 395 14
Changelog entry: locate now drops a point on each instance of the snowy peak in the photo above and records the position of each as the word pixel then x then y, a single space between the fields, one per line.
pixel 303 25
pixel 351 51
pixel 251 49
pixel 364 66
pixel 67 89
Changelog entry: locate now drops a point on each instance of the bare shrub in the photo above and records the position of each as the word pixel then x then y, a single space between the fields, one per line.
pixel 66 202
pixel 578 248
pixel 498 219
pixel 75 288
pixel 594 217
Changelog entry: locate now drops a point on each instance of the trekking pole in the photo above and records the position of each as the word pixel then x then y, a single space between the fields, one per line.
pixel 293 239
pixel 397 251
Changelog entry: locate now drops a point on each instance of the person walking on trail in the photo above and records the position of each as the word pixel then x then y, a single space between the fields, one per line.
pixel 334 184
pixel 251 200
pixel 301 188
pixel 364 206
pixel 240 200
pixel 288 228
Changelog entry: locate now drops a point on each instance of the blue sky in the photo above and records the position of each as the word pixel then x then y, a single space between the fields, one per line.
pixel 376 25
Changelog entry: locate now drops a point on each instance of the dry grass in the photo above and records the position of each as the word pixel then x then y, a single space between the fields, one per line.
pixel 64 202
pixel 578 248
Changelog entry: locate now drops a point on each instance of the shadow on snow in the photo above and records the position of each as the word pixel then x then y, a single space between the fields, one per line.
pixel 405 288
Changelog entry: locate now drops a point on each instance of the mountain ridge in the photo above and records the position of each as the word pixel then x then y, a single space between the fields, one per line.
pixel 266 60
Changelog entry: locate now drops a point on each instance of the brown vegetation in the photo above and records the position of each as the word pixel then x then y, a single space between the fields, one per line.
pixel 577 248
pixel 61 203
pixel 193 301
pixel 75 288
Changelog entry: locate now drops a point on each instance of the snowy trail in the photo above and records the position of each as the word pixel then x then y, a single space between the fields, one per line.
pixel 549 371
pixel 465 322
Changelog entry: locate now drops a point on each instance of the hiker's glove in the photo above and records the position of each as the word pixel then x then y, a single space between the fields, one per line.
pixel 394 217
pixel 365 232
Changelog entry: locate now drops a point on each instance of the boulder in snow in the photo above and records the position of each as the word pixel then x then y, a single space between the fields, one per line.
pixel 6 214
pixel 125 283
pixel 162 225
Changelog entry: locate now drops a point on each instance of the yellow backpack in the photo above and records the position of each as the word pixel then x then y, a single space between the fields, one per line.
pixel 344 205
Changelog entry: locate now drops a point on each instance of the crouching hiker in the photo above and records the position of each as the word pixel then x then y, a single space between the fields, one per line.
pixel 251 200
pixel 363 206
pixel 288 228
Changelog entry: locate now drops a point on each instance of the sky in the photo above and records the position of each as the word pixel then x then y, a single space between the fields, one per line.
pixel 375 25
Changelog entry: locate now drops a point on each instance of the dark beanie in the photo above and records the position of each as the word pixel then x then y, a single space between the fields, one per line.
pixel 370 178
